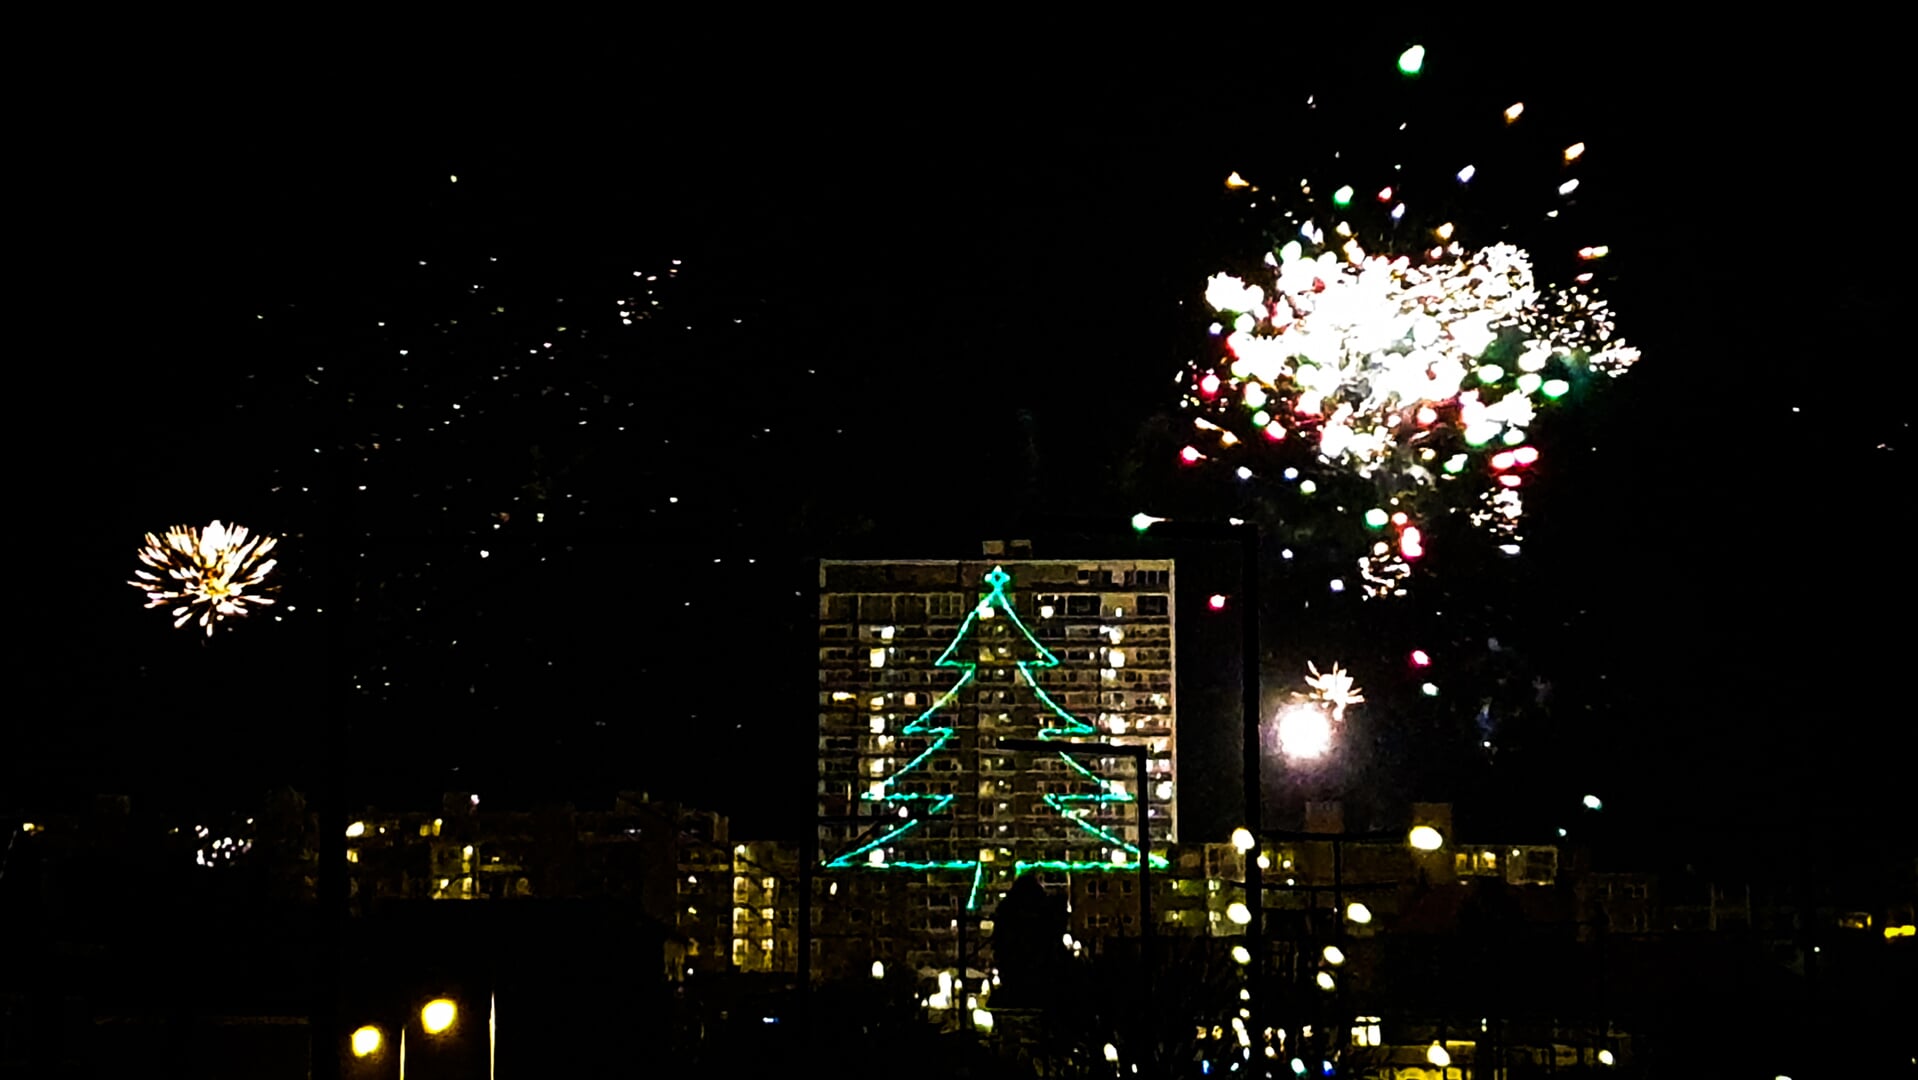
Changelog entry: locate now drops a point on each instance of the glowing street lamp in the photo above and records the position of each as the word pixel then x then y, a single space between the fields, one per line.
pixel 366 1041
pixel 1437 1055
pixel 1305 732
pixel 1242 839
pixel 1358 913
pixel 1425 838
pixel 437 1016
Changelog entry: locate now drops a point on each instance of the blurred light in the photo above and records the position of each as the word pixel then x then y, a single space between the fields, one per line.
pixel 1574 152
pixel 1420 658
pixel 1334 955
pixel 1513 111
pixel 1898 931
pixel 1412 60
pixel 1217 602
pixel 366 1041
pixel 1437 1055
pixel 1190 455
pixel 1343 196
pixel 1325 980
pixel 1242 955
pixel 1605 1057
pixel 1242 839
pixel 1592 803
pixel 438 1015
pixel 1429 689
pixel 878 969
pixel 1376 518
pixel 1238 913
pixel 1426 838
pixel 1305 732
pixel 1112 1053
pixel 1235 182
pixel 1465 175
pixel 1143 521
pixel 982 1019
pixel 1358 913
pixel 1209 385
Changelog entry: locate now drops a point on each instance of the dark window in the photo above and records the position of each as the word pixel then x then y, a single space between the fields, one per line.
pixel 1153 605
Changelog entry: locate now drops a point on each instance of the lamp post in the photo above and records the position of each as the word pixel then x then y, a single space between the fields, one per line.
pixel 437 1018
pixel 1252 754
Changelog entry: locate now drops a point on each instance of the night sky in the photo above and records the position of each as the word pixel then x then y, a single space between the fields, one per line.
pixel 571 428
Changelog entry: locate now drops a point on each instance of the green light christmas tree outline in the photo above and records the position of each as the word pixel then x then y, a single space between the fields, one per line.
pixel 991 605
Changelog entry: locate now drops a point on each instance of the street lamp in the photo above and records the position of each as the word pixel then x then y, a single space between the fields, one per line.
pixel 366 1041
pixel 1305 732
pixel 437 1015
pixel 1425 838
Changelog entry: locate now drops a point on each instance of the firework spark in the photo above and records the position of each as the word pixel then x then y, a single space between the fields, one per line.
pixel 1409 375
pixel 206 574
pixel 1335 688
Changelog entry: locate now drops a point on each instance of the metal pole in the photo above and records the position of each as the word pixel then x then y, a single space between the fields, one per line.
pixel 1253 762
pixel 808 864
pixel 1145 880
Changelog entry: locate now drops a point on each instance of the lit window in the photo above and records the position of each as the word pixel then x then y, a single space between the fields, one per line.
pixel 877 658
pixel 352 854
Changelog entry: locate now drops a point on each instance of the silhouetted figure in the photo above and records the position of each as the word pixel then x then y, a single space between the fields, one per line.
pixel 1028 944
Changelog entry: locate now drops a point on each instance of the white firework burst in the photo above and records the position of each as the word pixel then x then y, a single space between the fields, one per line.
pixel 205 575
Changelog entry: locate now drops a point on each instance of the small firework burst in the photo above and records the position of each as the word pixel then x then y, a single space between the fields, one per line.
pixel 1335 688
pixel 205 574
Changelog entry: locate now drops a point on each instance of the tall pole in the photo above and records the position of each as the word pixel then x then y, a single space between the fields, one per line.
pixel 1253 763
pixel 808 854
pixel 1145 876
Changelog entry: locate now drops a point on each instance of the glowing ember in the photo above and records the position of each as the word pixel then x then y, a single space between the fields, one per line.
pixel 205 575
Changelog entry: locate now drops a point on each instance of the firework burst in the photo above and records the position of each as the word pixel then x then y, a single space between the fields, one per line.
pixel 205 575
pixel 1396 367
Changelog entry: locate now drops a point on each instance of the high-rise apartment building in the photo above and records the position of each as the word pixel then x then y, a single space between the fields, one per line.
pixel 924 666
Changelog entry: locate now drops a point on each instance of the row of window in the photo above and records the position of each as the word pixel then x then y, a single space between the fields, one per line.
pixel 885 609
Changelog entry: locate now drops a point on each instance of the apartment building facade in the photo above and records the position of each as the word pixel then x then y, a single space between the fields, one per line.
pixel 924 819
